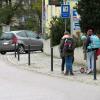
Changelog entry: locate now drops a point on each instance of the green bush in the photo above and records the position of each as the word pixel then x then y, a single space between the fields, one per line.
pixel 57 28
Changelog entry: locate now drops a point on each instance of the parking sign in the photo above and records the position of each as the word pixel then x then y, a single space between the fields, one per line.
pixel 65 11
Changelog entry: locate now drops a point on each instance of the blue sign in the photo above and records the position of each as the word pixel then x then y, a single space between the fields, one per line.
pixel 65 11
pixel 75 13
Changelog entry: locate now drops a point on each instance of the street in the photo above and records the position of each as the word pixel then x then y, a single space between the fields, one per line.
pixel 20 84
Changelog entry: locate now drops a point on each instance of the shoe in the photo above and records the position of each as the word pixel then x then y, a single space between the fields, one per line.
pixel 62 72
pixel 66 73
pixel 89 71
pixel 71 73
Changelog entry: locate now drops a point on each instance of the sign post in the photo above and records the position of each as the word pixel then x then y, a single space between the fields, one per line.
pixel 65 12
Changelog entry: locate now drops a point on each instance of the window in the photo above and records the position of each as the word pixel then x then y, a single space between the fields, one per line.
pixel 31 34
pixel 7 36
pixel 22 34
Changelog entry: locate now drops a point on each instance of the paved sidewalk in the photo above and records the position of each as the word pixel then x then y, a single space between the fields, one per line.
pixel 41 63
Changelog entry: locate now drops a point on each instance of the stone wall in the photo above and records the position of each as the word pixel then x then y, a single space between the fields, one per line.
pixel 78 54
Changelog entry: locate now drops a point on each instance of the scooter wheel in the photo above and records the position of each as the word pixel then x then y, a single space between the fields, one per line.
pixel 82 70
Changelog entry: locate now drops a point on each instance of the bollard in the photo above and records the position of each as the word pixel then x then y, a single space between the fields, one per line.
pixel 95 72
pixel 29 55
pixel 51 58
pixel 18 54
pixel 15 50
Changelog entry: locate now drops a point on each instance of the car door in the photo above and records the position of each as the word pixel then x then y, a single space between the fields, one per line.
pixel 35 43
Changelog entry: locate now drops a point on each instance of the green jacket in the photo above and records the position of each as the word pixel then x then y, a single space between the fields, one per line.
pixel 62 53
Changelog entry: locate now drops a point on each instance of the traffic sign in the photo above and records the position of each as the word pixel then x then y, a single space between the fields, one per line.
pixel 75 13
pixel 76 26
pixel 76 16
pixel 65 11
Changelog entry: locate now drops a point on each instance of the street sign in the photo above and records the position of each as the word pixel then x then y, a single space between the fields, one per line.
pixel 75 13
pixel 76 16
pixel 65 11
pixel 76 25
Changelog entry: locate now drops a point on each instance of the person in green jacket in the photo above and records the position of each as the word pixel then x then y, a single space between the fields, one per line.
pixel 68 54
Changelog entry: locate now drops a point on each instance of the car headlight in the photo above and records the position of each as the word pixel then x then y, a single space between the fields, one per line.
pixel 5 43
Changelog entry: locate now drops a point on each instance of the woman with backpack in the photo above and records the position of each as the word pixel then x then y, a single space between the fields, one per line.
pixel 68 45
pixel 61 51
pixel 92 45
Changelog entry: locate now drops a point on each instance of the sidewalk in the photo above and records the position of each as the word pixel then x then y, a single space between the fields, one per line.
pixel 41 63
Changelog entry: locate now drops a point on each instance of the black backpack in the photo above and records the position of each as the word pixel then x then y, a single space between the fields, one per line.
pixel 68 45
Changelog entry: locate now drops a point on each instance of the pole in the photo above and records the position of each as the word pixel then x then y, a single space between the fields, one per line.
pixel 64 2
pixel 29 55
pixel 51 44
pixel 51 58
pixel 51 54
pixel 15 50
pixel 71 18
pixel 18 54
pixel 95 65
pixel 65 24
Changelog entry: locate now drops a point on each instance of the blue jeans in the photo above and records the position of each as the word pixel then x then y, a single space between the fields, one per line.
pixel 90 60
pixel 69 62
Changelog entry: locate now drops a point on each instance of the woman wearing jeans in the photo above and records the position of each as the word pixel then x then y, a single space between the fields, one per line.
pixel 68 55
pixel 90 50
pixel 93 44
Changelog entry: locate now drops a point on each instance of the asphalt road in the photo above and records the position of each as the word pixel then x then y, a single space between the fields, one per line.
pixel 20 84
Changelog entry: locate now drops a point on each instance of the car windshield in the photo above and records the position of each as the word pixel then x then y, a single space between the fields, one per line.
pixel 6 36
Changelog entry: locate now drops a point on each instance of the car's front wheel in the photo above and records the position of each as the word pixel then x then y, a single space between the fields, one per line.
pixel 21 49
pixel 3 52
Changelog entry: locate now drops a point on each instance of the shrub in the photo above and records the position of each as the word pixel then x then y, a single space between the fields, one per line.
pixel 57 28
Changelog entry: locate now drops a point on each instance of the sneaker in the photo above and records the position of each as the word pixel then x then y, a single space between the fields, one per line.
pixel 62 72
pixel 66 73
pixel 89 71
pixel 71 73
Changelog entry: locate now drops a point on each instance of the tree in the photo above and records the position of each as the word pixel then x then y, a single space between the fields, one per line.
pixel 89 11
pixel 8 11
pixel 37 8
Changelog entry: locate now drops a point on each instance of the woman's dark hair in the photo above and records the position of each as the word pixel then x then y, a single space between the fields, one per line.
pixel 90 28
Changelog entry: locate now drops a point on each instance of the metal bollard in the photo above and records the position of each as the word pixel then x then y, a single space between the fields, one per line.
pixel 29 55
pixel 18 54
pixel 15 50
pixel 95 72
pixel 51 58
